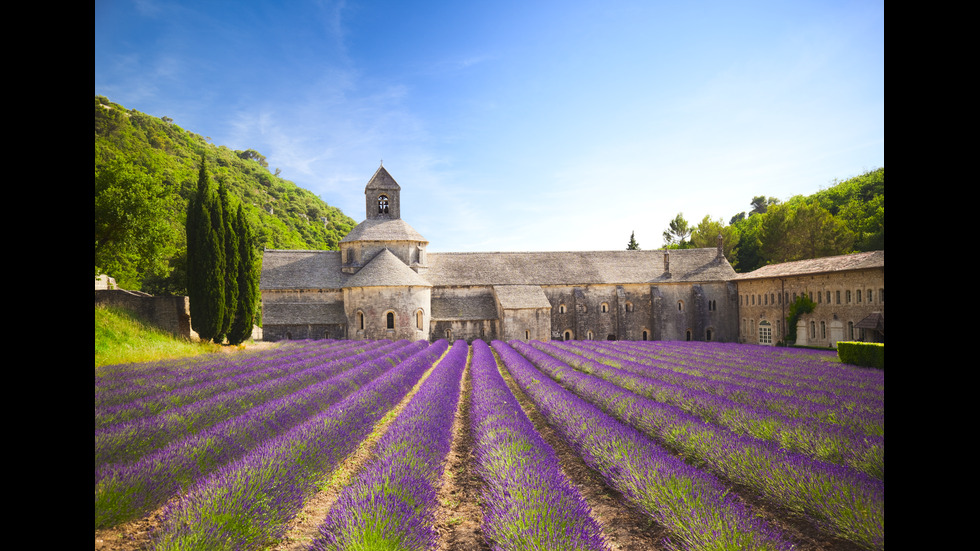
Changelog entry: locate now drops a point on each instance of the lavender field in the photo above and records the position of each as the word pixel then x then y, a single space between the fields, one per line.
pixel 337 445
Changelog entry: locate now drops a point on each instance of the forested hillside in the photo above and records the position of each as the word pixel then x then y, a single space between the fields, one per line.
pixel 146 170
pixel 847 217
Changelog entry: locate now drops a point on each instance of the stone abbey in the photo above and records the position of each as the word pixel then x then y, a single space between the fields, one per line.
pixel 383 284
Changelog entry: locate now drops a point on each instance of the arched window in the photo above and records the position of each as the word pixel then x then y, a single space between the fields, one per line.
pixel 629 306
pixel 449 335
pixel 382 204
pixel 688 335
pixel 390 320
pixel 419 318
pixel 680 306
pixel 765 332
pixel 568 335
pixel 707 335
pixel 605 307
pixel 360 320
pixel 645 335
pixel 561 308
pixel 589 335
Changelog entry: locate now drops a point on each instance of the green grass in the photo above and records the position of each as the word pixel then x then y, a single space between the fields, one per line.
pixel 121 337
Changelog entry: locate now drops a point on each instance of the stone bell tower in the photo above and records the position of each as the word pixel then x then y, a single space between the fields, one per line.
pixel 382 197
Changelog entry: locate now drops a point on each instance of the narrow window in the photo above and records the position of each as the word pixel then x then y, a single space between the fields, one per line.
pixel 449 334
pixel 823 330
pixel 858 295
pixel 848 296
pixel 561 308
pixel 419 319
pixel 838 296
pixel 869 296
pixel 680 305
pixel 881 296
pixel 360 320
pixel 568 335
pixel 527 335
pixel 645 334
pixel 605 307
pixel 382 204
pixel 390 320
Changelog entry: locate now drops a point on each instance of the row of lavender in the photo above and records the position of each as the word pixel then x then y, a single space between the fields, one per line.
pixel 797 422
pixel 248 503
pixel 179 447
pixel 843 501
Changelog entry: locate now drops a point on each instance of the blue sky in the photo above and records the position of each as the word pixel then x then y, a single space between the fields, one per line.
pixel 519 126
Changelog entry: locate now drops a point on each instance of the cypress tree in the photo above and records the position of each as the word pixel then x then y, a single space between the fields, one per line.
pixel 241 328
pixel 205 259
pixel 231 256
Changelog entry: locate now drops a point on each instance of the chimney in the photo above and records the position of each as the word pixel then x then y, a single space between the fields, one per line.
pixel 666 262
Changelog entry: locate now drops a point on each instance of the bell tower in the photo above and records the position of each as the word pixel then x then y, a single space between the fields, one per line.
pixel 382 196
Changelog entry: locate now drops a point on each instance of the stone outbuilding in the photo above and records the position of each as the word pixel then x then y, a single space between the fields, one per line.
pixel 848 292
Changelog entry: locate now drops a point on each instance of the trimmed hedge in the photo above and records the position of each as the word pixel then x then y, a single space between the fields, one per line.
pixel 868 354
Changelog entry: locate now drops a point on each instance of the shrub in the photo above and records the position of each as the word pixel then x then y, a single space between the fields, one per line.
pixel 868 354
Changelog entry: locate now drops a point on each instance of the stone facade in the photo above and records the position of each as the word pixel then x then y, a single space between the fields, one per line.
pixel 383 284
pixel 848 291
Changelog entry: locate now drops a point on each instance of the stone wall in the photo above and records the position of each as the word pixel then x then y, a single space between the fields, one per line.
pixel 842 300
pixel 171 314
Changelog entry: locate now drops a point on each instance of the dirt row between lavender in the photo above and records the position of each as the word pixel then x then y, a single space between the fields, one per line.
pixel 458 518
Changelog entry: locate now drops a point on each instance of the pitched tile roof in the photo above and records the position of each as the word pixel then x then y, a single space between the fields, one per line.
pixel 300 313
pixel 521 296
pixel 856 261
pixel 463 308
pixel 575 268
pixel 386 270
pixel 383 230
pixel 301 270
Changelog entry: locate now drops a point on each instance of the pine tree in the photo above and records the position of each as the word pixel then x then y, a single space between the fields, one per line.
pixel 632 245
pixel 241 328
pixel 205 259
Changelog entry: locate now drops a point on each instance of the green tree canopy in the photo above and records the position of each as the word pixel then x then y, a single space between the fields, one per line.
pixel 134 236
pixel 678 229
pixel 705 235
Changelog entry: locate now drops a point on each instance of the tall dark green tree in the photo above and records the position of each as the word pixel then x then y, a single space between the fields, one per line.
pixel 247 282
pixel 205 259
pixel 230 241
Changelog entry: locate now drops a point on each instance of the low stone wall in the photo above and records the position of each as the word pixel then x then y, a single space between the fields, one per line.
pixel 171 314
